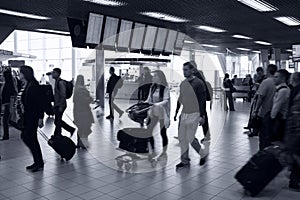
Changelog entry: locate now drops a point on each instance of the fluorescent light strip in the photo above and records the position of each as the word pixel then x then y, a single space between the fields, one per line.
pixel 209 45
pixel 263 43
pixel 163 16
pixel 53 31
pixel 289 50
pixel 243 49
pixel 188 42
pixel 210 29
pixel 256 51
pixel 241 37
pixel 26 15
pixel 259 5
pixel 107 2
pixel 290 21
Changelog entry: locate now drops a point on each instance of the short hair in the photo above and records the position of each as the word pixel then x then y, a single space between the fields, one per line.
pixel 112 69
pixel 146 68
pixel 57 70
pixel 284 73
pixel 27 71
pixel 226 75
pixel 296 77
pixel 190 64
pixel 260 69
pixel 272 69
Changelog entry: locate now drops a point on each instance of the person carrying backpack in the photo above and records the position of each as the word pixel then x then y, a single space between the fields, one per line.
pixel 62 91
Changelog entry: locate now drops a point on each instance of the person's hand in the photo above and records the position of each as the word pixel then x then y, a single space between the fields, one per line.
pixel 201 121
pixel 41 123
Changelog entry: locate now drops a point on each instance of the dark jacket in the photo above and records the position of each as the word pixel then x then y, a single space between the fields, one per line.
pixel 292 130
pixel 112 84
pixel 33 108
pixel 9 88
pixel 228 84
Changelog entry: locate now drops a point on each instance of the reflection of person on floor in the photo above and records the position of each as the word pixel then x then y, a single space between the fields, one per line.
pixel 160 112
pixel 192 97
pixel 113 85
pixel 83 117
pixel 147 83
pixel 33 117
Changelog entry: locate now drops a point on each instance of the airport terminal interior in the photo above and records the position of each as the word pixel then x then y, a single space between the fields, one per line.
pixel 87 38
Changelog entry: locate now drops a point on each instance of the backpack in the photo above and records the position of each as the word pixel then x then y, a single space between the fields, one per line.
pixel 69 88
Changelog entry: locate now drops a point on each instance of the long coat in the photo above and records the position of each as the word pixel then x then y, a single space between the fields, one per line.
pixel 292 130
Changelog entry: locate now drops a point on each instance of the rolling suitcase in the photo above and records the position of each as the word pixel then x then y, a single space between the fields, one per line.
pixel 63 145
pixel 259 171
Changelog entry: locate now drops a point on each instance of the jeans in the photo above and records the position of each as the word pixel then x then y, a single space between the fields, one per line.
pixel 59 123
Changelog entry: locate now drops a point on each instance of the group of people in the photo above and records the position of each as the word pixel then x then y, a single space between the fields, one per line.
pixel 274 115
pixel 33 110
pixel 194 92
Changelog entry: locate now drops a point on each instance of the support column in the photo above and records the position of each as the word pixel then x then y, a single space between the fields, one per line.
pixel 100 62
pixel 192 55
pixel 73 63
pixel 264 53
pixel 277 53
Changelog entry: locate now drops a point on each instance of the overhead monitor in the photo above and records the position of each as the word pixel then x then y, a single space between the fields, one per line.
pixel 110 31
pixel 180 40
pixel 296 53
pixel 124 34
pixel 149 38
pixel 78 31
pixel 137 36
pixel 160 40
pixel 170 43
pixel 94 28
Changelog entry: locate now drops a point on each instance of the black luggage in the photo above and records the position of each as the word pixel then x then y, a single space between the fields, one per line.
pixel 139 112
pixel 63 145
pixel 134 139
pixel 259 171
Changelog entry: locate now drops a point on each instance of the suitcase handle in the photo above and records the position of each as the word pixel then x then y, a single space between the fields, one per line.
pixel 43 134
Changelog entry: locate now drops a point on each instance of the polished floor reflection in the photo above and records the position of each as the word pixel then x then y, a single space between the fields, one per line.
pixel 94 174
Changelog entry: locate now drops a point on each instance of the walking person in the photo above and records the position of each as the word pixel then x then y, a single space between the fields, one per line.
pixel 229 89
pixel 113 85
pixel 192 97
pixel 83 116
pixel 160 112
pixel 9 94
pixel 60 104
pixel 33 116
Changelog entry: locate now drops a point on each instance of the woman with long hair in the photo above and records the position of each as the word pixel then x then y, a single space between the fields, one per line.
pixel 8 92
pixel 83 117
pixel 33 116
pixel 159 96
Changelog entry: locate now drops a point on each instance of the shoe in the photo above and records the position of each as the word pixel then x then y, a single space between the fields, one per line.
pixel 181 165
pixel 110 117
pixel 294 187
pixel 202 161
pixel 246 127
pixel 120 115
pixel 37 168
pixel 31 166
pixel 232 110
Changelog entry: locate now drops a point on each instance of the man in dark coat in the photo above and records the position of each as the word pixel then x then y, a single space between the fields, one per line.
pixel 292 131
pixel 113 85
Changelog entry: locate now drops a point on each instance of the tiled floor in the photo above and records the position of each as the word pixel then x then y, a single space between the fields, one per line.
pixel 94 174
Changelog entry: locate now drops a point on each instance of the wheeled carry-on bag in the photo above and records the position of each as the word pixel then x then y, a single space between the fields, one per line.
pixel 63 145
pixel 259 171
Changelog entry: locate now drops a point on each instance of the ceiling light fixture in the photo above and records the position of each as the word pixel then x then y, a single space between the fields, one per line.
pixel 263 43
pixel 163 16
pixel 52 31
pixel 188 42
pixel 289 50
pixel 290 21
pixel 241 37
pixel 209 45
pixel 243 49
pixel 210 29
pixel 256 51
pixel 259 5
pixel 26 15
pixel 108 2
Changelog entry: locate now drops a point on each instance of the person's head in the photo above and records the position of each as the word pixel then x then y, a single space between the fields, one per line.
pixel 188 69
pixel 111 70
pixel 260 71
pixel 226 75
pixel 26 73
pixel 295 79
pixel 271 69
pixel 235 76
pixel 159 78
pixel 146 70
pixel 281 76
pixel 79 81
pixel 56 73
